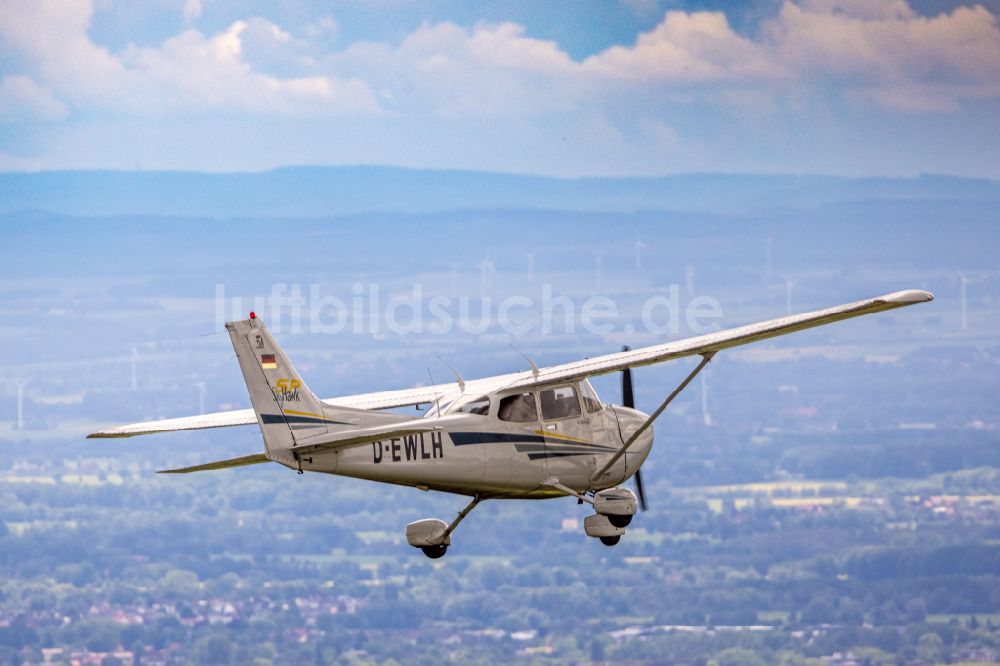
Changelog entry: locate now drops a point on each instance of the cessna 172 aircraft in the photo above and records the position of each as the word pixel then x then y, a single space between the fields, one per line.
pixel 535 434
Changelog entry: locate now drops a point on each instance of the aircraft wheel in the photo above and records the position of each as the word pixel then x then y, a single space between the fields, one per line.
pixel 610 541
pixel 434 552
pixel 620 521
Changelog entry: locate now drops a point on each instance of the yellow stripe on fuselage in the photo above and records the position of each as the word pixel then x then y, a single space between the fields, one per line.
pixel 555 435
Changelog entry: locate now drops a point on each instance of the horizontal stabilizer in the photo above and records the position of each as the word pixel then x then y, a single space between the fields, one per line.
pixel 255 459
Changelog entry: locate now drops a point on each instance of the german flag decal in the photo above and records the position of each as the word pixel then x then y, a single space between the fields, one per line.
pixel 267 361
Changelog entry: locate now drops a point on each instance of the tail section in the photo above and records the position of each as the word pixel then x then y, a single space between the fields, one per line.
pixel 287 411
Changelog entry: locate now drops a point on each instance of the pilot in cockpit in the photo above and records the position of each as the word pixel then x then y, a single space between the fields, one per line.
pixel 518 408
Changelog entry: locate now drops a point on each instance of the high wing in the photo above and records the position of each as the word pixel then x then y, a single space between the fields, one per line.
pixel 379 400
pixel 711 342
pixel 719 340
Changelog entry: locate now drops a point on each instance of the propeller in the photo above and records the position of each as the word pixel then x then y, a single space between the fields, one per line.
pixel 628 400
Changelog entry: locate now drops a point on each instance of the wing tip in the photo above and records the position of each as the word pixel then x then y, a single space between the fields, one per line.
pixel 107 434
pixel 908 297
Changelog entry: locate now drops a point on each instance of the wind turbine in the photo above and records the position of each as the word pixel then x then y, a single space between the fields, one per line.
pixel 531 267
pixel 638 247
pixel 963 281
pixel 201 397
pixel 789 285
pixel 487 274
pixel 21 383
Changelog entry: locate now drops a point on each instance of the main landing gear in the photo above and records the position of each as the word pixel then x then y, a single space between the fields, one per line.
pixel 620 521
pixel 435 552
pixel 604 527
pixel 433 536
pixel 614 510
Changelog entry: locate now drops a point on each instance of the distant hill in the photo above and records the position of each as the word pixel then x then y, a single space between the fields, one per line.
pixel 332 191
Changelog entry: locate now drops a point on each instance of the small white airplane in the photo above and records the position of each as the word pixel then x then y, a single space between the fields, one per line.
pixel 535 434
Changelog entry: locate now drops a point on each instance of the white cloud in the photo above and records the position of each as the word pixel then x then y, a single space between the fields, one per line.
pixel 860 9
pixel 451 71
pixel 875 52
pixel 188 73
pixel 192 70
pixel 324 28
pixel 17 163
pixel 691 82
pixel 50 38
pixel 698 46
pixel 894 57
pixel 192 10
pixel 868 52
pixel 23 100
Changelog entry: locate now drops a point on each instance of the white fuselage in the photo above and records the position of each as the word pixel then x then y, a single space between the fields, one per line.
pixel 480 454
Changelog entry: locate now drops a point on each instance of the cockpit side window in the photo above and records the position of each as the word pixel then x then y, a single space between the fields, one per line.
pixel 559 403
pixel 589 398
pixel 472 405
pixel 519 408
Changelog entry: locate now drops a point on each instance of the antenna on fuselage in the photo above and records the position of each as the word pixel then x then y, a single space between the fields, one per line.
pixel 458 377
pixel 534 368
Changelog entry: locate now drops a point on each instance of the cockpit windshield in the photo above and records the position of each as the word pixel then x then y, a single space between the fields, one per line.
pixel 471 404
pixel 588 396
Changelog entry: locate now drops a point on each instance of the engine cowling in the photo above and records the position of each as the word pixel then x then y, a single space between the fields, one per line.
pixel 616 502
pixel 427 532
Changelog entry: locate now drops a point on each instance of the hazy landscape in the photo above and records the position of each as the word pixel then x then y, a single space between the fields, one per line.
pixel 829 497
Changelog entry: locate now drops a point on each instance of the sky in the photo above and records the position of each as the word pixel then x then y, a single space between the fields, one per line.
pixel 612 88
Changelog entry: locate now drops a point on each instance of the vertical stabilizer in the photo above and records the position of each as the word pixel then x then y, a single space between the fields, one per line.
pixel 287 411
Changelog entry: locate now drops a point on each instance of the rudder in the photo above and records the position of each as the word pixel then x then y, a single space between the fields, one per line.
pixel 287 411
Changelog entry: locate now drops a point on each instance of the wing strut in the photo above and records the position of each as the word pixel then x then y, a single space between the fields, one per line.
pixel 705 359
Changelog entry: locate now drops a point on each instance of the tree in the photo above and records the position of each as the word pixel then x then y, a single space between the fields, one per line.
pixel 930 648
pixel 596 650
pixel 213 649
pixel 103 638
pixel 915 611
pixel 872 656
pixel 738 657
pixel 849 611
pixel 819 611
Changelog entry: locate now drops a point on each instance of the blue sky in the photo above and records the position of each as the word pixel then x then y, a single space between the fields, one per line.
pixel 636 87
